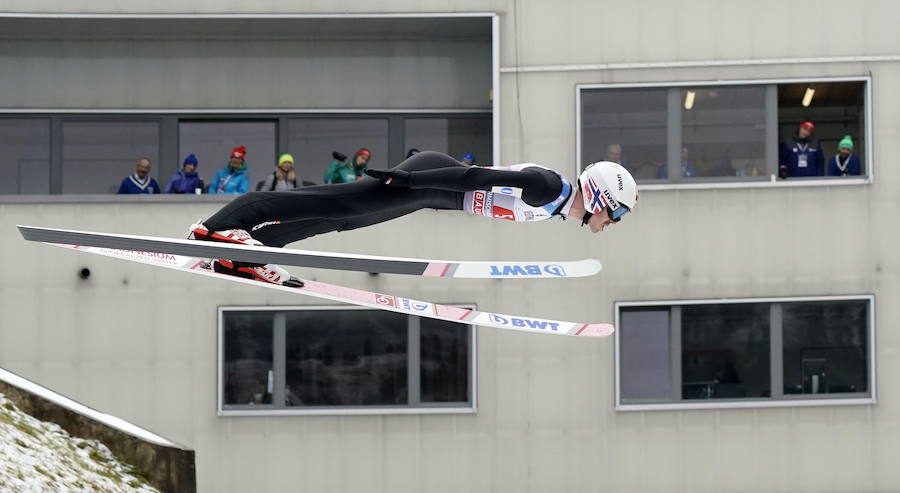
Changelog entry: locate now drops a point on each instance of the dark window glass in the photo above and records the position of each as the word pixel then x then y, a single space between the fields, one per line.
pixel 25 151
pixel 837 109
pixel 444 361
pixel 627 126
pixel 723 132
pixel 645 355
pixel 346 358
pixel 248 371
pixel 454 136
pixel 212 142
pixel 825 347
pixel 313 140
pixel 97 156
pixel 725 351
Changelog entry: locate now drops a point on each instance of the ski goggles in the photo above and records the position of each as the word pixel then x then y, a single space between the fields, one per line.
pixel 616 215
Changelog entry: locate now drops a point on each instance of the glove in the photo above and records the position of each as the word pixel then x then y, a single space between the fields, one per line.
pixel 395 178
pixel 337 155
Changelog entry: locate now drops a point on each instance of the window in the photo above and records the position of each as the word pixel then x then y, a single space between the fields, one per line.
pixel 25 147
pixel 454 136
pixel 837 109
pixel 98 151
pixel 723 133
pixel 212 141
pixel 98 155
pixel 313 140
pixel 705 134
pixel 625 126
pixel 745 353
pixel 334 360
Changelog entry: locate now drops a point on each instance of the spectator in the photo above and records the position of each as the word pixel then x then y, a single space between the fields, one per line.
pixel 187 180
pixel 412 152
pixel 614 153
pixel 283 178
pixel 802 155
pixel 468 159
pixel 233 177
pixel 844 162
pixel 688 169
pixel 140 181
pixel 340 171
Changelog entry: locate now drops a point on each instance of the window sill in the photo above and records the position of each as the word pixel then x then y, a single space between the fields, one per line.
pixel 772 183
pixel 356 411
pixel 752 404
pixel 114 198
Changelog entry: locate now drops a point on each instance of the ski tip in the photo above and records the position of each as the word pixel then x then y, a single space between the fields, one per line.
pixel 596 330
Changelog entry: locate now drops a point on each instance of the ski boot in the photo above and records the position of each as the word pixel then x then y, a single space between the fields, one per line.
pixel 270 273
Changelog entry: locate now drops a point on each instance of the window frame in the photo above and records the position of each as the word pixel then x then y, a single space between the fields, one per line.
pixel 169 140
pixel 796 400
pixel 713 183
pixel 264 410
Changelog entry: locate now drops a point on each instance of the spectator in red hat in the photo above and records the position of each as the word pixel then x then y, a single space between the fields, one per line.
pixel 233 177
pixel 342 171
pixel 802 155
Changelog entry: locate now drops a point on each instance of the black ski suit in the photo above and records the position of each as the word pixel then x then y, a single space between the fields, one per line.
pixel 435 181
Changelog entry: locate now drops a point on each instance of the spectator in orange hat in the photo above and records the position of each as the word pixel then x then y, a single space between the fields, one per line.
pixel 233 177
pixel 802 155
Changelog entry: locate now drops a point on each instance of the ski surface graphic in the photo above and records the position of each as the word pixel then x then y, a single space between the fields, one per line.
pixel 314 259
pixel 361 297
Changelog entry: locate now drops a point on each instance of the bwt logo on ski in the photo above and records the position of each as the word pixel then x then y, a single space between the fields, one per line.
pixel 415 306
pixel 526 270
pixel 523 322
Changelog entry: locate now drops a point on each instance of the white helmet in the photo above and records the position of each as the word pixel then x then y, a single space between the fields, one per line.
pixel 607 185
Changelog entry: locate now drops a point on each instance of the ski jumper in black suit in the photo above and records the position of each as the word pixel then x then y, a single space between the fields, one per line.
pixel 435 181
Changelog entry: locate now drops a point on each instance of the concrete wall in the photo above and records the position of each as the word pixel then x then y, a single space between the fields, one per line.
pixel 140 342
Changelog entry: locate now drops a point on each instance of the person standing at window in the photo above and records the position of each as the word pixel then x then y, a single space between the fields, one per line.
pixel 233 177
pixel 186 180
pixel 140 181
pixel 802 155
pixel 844 163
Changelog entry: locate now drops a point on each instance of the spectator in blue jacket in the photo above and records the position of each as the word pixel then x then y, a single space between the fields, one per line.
pixel 233 177
pixel 802 155
pixel 187 180
pixel 844 162
pixel 469 159
pixel 140 181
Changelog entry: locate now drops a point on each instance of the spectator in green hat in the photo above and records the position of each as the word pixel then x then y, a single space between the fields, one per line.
pixel 844 163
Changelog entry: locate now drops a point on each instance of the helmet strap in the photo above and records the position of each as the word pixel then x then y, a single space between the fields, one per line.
pixel 585 218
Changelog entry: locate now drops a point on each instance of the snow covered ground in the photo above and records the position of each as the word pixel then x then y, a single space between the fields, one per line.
pixel 42 457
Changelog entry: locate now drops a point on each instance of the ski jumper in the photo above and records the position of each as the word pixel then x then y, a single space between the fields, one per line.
pixel 525 192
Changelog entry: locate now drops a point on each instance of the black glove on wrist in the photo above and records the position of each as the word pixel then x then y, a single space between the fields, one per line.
pixel 395 178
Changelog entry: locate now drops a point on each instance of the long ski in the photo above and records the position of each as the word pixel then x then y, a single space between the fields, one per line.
pixel 321 260
pixel 361 297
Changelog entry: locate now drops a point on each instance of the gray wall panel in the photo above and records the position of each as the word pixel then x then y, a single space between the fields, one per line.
pixel 244 74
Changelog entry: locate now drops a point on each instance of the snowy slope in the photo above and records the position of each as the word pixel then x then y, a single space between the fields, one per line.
pixel 41 457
